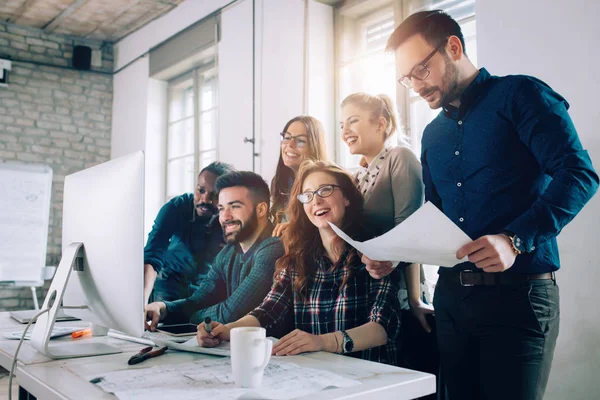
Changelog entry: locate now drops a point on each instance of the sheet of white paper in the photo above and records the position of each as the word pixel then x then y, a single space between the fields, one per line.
pixel 24 212
pixel 213 378
pixel 223 349
pixel 426 237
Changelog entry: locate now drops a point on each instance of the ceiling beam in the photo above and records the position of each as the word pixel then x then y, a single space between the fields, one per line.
pixel 145 19
pixel 56 21
pixel 114 18
pixel 20 11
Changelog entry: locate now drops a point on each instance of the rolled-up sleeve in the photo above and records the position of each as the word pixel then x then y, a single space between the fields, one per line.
pixel 385 307
pixel 278 302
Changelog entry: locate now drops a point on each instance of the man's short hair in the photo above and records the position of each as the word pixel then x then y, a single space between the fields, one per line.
pixel 218 168
pixel 435 26
pixel 256 185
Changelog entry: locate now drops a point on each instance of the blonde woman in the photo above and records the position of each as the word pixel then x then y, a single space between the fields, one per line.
pixel 389 179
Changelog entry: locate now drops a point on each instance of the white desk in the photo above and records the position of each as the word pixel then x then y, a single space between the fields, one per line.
pixel 64 379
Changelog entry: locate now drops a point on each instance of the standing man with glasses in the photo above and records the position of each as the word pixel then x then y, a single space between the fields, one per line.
pixel 504 162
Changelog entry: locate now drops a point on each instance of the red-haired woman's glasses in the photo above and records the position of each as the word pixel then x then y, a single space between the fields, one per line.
pixel 323 191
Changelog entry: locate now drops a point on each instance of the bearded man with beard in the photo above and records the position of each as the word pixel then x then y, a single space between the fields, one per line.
pixel 504 162
pixel 242 273
pixel 184 240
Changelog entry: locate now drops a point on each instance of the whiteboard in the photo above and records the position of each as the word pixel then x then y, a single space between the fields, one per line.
pixel 25 191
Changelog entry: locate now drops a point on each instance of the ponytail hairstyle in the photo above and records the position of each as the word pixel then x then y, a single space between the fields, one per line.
pixel 379 106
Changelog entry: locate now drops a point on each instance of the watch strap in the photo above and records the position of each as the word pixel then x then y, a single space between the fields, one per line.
pixel 347 339
pixel 515 242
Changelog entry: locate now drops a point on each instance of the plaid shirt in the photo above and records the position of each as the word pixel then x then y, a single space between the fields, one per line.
pixel 327 309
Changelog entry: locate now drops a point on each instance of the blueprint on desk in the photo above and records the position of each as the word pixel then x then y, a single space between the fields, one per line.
pixel 282 380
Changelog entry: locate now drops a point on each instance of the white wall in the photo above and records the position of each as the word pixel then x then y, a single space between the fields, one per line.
pixel 235 85
pixel 130 97
pixel 321 69
pixel 279 75
pixel 558 43
pixel 156 149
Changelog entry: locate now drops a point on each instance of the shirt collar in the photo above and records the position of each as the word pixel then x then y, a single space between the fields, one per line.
pixel 266 233
pixel 471 92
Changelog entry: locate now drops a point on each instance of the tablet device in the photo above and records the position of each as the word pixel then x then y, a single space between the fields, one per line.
pixel 24 316
pixel 178 330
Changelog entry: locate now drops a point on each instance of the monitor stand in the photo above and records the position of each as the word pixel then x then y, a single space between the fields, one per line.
pixel 72 258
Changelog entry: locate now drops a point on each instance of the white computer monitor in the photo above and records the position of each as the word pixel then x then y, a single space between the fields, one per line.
pixel 102 256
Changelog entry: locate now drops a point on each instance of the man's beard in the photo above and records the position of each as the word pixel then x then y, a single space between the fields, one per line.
pixel 246 229
pixel 203 215
pixel 450 82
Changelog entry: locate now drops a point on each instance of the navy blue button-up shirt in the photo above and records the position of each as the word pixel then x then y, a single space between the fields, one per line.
pixel 508 159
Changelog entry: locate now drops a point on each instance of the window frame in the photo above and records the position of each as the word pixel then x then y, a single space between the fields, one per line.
pixel 198 76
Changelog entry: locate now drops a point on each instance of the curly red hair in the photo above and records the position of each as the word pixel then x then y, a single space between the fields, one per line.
pixel 301 239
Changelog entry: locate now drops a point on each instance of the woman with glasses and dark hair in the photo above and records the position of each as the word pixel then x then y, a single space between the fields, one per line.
pixel 389 178
pixel 337 306
pixel 302 138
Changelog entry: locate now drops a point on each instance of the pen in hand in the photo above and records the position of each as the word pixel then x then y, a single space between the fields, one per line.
pixel 207 324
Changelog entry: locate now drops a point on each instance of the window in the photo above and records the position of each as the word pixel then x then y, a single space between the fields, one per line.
pixel 366 67
pixel 192 128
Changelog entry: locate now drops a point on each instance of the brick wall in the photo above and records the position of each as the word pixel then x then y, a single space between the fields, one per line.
pixel 52 114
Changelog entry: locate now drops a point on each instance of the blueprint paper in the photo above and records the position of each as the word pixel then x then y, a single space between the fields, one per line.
pixel 212 378
pixel 426 237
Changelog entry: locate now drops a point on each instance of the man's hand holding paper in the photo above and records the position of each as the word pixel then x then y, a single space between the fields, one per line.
pixel 426 237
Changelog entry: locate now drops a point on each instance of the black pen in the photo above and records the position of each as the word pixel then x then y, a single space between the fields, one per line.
pixel 207 325
pixel 145 354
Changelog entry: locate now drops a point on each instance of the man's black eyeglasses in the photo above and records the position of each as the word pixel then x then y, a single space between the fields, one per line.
pixel 419 71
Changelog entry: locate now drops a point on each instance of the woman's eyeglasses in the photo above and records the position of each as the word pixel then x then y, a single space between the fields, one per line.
pixel 300 139
pixel 323 191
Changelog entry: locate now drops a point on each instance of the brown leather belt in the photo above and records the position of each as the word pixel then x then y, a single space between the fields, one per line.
pixel 477 278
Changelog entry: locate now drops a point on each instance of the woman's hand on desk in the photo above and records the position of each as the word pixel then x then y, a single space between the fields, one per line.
pixel 155 312
pixel 297 342
pixel 218 333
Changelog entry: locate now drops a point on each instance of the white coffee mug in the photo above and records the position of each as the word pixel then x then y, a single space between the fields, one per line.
pixel 250 354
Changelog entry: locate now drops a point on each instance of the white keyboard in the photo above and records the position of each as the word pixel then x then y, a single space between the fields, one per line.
pixel 147 337
pixel 158 335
